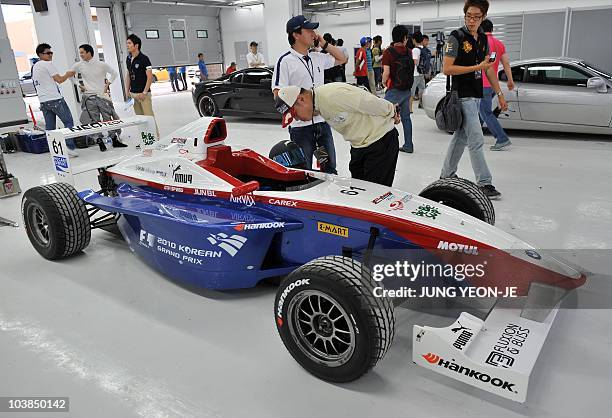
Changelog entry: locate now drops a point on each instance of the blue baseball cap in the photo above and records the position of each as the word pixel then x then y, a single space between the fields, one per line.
pixel 364 40
pixel 299 22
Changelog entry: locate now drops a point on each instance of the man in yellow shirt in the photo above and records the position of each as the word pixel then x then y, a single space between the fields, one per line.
pixel 363 119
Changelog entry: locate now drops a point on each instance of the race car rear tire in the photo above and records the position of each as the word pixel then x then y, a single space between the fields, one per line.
pixel 330 321
pixel 56 220
pixel 207 106
pixel 463 195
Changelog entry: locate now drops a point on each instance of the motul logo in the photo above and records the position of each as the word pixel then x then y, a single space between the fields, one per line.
pixel 267 225
pixel 481 376
pixel 459 248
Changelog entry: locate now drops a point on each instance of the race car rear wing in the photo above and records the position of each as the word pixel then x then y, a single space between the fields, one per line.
pixel 139 128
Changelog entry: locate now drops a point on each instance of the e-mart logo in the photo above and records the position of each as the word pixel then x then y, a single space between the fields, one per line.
pixel 338 230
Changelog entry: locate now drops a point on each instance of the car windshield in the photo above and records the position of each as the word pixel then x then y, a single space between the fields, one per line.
pixel 595 70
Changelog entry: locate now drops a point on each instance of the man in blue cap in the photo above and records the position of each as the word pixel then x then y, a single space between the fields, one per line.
pixel 361 63
pixel 299 67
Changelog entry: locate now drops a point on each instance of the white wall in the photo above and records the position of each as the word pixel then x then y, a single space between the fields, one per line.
pixel 349 26
pixel 414 13
pixel 242 24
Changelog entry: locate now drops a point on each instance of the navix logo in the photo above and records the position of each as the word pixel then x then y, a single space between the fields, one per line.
pixel 231 245
pixel 246 200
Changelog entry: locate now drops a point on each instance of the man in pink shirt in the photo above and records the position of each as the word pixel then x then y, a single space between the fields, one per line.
pixel 486 113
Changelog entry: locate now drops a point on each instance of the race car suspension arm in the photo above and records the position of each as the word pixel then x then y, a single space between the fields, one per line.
pixel 103 221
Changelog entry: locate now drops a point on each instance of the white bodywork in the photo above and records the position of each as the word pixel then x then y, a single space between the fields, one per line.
pixel 158 162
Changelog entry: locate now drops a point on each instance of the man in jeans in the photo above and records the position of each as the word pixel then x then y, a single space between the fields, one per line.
pixel 466 57
pixel 486 104
pixel 394 94
pixel 52 104
pixel 419 75
pixel 300 67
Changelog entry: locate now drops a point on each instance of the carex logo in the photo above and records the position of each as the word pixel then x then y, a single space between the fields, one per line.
pixel 431 358
pixel 230 245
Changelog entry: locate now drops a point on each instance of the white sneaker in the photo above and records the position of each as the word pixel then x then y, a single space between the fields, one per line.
pixel 72 153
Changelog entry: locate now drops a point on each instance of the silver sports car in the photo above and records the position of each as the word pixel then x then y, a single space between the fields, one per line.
pixel 550 94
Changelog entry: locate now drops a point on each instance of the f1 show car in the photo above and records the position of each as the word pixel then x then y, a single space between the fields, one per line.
pixel 199 212
pixel 550 94
pixel 241 93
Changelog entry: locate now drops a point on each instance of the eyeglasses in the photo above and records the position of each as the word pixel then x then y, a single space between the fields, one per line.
pixel 48 53
pixel 473 18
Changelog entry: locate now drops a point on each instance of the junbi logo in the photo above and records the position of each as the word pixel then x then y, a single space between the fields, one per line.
pixel 231 245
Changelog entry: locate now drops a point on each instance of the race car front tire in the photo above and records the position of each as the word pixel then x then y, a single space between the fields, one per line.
pixel 462 195
pixel 56 220
pixel 330 321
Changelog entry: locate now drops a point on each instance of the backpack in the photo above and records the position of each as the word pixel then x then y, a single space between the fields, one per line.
pixel 424 66
pixel 404 70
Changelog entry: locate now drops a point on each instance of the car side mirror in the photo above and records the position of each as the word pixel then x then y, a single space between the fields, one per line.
pixel 597 83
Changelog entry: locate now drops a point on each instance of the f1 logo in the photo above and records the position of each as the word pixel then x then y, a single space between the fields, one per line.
pixel 146 239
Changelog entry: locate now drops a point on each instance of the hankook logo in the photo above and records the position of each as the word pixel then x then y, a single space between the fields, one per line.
pixel 434 359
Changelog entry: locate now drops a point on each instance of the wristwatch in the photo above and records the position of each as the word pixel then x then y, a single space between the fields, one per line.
pixel 500 93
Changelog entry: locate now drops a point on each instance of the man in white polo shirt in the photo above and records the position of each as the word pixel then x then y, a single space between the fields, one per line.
pixel 299 67
pixel 255 59
pixel 94 78
pixel 52 104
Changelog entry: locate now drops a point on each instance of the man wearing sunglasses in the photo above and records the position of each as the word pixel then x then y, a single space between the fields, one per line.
pixel 466 61
pixel 52 104
pixel 363 119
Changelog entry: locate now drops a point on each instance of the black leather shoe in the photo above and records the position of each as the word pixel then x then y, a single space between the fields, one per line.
pixel 117 143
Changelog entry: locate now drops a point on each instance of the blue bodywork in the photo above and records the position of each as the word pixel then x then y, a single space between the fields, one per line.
pixel 217 244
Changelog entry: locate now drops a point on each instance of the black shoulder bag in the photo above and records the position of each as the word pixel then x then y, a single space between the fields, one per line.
pixel 448 116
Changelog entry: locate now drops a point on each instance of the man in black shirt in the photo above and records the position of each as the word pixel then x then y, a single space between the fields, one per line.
pixel 139 78
pixel 466 58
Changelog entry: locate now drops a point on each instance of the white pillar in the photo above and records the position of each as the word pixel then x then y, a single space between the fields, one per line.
pixel 66 25
pixel 382 9
pixel 109 48
pixel 3 33
pixel 276 15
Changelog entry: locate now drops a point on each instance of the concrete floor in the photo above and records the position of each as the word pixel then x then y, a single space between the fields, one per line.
pixel 121 340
